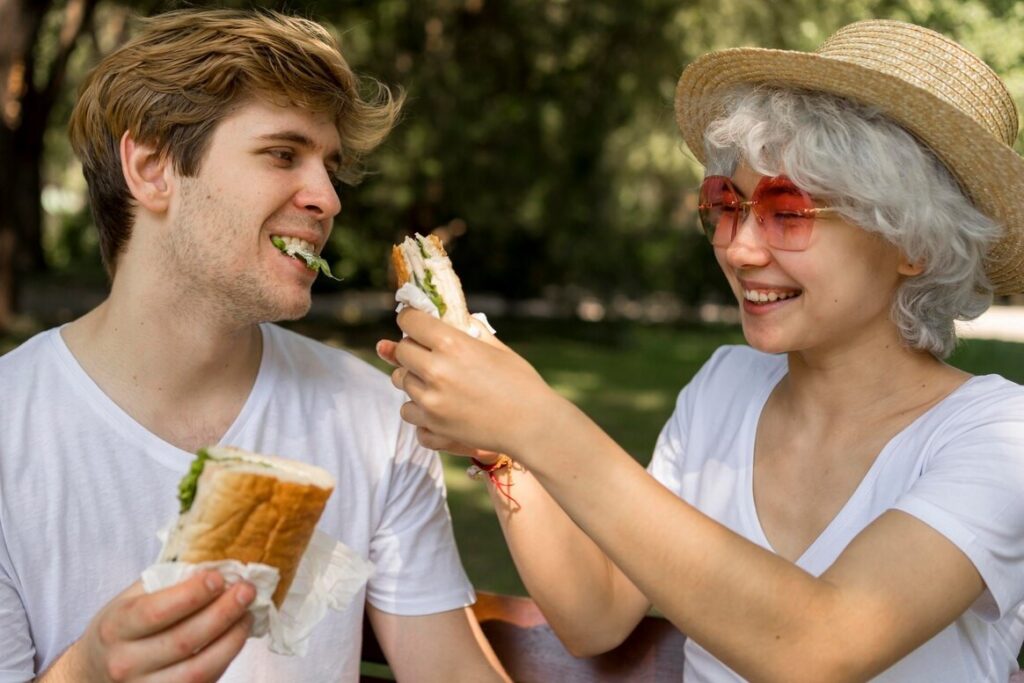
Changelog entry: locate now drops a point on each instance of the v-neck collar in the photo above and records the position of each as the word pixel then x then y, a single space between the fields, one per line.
pixel 165 453
pixel 863 488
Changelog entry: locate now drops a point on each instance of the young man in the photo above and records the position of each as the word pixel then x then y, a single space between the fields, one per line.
pixel 207 136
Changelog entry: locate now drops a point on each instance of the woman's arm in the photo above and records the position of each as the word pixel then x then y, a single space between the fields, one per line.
pixel 588 601
pixel 895 586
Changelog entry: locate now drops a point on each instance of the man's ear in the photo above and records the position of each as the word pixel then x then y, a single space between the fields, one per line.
pixel 147 174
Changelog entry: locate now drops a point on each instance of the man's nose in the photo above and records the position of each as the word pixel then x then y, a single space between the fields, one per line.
pixel 318 195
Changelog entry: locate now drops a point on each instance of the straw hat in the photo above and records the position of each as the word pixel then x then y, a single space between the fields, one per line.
pixel 944 95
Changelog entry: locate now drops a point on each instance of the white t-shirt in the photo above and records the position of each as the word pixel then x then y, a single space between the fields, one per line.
pixel 958 468
pixel 84 489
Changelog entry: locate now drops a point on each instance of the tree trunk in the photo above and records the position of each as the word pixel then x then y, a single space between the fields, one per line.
pixel 19 28
pixel 25 106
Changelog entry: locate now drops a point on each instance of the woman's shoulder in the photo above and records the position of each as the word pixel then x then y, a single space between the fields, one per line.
pixel 731 371
pixel 985 399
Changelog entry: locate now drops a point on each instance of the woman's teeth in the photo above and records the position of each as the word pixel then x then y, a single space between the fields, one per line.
pixel 760 297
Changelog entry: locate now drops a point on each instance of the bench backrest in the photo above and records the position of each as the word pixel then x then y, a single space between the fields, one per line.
pixel 530 651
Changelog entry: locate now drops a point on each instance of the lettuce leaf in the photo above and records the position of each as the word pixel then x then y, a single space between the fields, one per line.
pixel 187 487
pixel 313 262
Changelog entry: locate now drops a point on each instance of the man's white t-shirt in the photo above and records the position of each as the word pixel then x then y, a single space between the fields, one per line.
pixel 958 468
pixel 84 489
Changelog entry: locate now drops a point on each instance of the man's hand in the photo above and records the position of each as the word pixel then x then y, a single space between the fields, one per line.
pixel 187 632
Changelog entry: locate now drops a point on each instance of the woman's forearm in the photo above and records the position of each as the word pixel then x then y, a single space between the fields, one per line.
pixel 588 601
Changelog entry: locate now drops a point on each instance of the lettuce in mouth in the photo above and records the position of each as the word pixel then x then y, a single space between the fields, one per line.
pixel 313 262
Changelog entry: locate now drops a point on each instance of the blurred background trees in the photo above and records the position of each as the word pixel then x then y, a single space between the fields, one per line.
pixel 538 136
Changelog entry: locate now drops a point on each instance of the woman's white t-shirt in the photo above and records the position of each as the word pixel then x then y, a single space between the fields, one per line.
pixel 958 468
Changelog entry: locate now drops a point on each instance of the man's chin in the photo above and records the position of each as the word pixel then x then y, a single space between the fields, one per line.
pixel 291 308
pixel 292 312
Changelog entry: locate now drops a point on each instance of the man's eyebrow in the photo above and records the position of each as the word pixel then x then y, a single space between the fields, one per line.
pixel 300 139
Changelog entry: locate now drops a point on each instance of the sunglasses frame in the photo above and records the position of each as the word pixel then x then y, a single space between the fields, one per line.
pixel 747 206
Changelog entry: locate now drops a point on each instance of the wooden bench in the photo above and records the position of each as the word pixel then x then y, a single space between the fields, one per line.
pixel 531 652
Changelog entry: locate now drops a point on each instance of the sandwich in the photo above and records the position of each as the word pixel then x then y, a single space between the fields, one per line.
pixel 423 262
pixel 237 505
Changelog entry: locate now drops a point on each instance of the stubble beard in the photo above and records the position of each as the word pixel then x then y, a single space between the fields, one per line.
pixel 209 281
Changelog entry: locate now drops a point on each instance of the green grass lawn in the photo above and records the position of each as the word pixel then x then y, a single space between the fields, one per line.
pixel 625 376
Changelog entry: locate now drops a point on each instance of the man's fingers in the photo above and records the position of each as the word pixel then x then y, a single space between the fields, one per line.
pixel 143 615
pixel 197 631
pixel 212 661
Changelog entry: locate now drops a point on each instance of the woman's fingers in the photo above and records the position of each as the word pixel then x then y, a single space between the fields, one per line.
pixel 482 332
pixel 434 442
pixel 386 351
pixel 413 414
pixel 403 379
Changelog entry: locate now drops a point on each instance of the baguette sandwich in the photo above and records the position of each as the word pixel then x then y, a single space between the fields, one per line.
pixel 237 505
pixel 423 262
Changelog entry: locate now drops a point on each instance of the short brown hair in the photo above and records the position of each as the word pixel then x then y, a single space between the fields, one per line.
pixel 186 71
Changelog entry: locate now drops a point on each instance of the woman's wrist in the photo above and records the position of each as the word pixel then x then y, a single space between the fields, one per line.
pixel 552 422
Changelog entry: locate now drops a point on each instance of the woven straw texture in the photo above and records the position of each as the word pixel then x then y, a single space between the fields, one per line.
pixel 944 95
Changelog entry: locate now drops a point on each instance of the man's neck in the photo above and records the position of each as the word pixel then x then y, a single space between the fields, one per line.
pixel 184 376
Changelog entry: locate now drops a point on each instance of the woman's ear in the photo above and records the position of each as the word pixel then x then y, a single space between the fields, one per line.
pixel 146 173
pixel 908 268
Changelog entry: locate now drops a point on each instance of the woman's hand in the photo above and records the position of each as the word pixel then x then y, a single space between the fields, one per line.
pixel 472 397
pixel 386 351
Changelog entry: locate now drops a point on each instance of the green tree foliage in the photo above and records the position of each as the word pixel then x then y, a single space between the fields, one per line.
pixel 539 135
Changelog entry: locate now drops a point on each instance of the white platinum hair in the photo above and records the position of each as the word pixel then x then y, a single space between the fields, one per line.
pixel 879 177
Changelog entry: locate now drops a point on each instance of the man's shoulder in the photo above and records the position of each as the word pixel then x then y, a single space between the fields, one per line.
pixel 321 364
pixel 25 357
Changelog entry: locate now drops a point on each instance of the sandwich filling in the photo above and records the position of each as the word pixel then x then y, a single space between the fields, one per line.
pixel 424 262
pixel 187 487
pixel 301 249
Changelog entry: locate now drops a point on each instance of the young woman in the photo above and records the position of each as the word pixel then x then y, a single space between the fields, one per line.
pixel 833 502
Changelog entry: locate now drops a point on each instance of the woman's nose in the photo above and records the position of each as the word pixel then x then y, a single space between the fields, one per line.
pixel 748 246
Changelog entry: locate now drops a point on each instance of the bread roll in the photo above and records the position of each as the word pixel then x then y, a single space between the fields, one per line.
pixel 243 506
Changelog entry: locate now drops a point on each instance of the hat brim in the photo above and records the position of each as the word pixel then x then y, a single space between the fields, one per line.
pixel 990 172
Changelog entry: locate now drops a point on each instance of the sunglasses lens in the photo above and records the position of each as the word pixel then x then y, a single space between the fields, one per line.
pixel 786 212
pixel 719 209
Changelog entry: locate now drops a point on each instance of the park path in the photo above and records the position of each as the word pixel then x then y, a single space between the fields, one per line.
pixel 999 322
